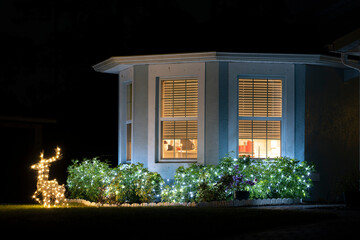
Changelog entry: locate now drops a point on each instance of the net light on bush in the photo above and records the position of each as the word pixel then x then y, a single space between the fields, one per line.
pixel 49 192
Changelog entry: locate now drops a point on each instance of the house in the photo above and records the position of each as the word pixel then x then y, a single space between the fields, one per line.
pixel 178 109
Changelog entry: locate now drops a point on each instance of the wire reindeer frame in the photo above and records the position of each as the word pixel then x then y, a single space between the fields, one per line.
pixel 51 192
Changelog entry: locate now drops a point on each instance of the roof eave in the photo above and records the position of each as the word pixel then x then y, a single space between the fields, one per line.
pixel 116 64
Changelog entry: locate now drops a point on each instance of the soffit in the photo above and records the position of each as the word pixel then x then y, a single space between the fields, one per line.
pixel 116 64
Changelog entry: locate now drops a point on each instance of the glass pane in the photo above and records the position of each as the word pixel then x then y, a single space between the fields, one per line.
pixel 167 139
pixel 273 148
pixel 167 98
pixel 274 98
pixel 179 98
pixel 168 148
pixel 179 139
pixel 260 97
pixel 191 98
pixel 259 148
pixel 246 147
pixel 260 139
pixel 128 142
pixel 129 102
pixel 245 97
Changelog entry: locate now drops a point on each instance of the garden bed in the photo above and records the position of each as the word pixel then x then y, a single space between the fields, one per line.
pixel 231 203
pixel 267 182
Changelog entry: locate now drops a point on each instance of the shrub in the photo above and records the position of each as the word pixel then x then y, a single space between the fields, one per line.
pixel 95 181
pixel 282 178
pixel 134 183
pixel 187 182
pixel 88 179
pixel 279 178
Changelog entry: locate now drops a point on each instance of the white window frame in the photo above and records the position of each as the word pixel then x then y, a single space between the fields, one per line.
pixel 254 118
pixel 126 85
pixel 173 71
pixel 125 78
pixel 286 72
pixel 162 119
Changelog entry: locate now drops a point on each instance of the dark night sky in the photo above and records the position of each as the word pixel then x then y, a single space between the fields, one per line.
pixel 48 48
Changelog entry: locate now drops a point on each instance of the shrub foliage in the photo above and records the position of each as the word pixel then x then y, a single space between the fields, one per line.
pixel 96 181
pixel 277 178
pixel 282 177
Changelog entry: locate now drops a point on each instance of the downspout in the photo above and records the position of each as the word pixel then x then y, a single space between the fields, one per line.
pixel 344 60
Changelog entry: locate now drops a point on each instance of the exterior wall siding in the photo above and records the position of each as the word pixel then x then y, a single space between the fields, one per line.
pixel 140 116
pixel 283 71
pixel 125 77
pixel 320 121
pixel 332 130
pixel 173 71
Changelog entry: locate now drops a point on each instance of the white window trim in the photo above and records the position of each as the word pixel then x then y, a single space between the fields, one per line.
pixel 162 119
pixel 173 71
pixel 253 118
pixel 286 72
pixel 125 78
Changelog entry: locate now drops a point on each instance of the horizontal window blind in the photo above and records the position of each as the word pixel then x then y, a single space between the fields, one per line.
pixel 179 98
pixel 254 129
pixel 179 140
pixel 178 119
pixel 179 129
pixel 260 113
pixel 260 98
pixel 259 138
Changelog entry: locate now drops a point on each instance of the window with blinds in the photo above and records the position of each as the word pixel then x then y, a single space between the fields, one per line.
pixel 128 121
pixel 260 112
pixel 179 98
pixel 260 98
pixel 178 119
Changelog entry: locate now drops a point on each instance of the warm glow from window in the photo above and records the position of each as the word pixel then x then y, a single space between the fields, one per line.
pixel 178 120
pixel 260 112
pixel 179 139
pixel 259 139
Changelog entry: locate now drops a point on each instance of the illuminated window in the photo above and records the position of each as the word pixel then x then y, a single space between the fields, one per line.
pixel 260 113
pixel 178 120
pixel 128 120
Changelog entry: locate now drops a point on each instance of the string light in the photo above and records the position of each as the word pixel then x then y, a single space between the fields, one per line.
pixel 52 194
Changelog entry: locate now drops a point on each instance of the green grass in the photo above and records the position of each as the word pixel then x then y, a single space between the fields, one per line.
pixel 144 222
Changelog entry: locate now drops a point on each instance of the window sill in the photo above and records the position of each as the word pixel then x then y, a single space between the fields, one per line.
pixel 177 161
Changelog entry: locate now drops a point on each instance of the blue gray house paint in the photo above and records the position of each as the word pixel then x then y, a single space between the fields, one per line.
pixel 319 120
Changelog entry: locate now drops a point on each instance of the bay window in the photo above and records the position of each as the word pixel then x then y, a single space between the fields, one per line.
pixel 179 118
pixel 259 117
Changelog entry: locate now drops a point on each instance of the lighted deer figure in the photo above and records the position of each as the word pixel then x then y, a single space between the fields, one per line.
pixel 52 193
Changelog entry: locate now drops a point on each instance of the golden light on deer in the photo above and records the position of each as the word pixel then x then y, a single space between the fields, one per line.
pixel 49 192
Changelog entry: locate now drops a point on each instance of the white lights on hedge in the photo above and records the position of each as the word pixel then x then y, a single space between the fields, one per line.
pixel 49 192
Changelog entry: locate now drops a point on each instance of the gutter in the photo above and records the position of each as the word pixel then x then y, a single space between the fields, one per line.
pixel 345 61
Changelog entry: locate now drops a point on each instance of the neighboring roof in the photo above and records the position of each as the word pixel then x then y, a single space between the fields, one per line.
pixel 116 64
pixel 349 44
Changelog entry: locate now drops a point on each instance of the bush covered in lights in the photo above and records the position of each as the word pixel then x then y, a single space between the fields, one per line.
pixel 96 181
pixel 134 183
pixel 283 177
pixel 88 179
pixel 278 178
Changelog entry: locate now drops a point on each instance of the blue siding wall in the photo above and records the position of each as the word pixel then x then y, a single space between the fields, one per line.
pixel 331 135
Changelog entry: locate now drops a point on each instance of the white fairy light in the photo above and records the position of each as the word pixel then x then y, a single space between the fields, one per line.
pixel 52 193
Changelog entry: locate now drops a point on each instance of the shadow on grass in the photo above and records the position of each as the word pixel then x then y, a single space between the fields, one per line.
pixel 140 223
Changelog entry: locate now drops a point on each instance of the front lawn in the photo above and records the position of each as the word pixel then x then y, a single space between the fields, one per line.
pixel 147 222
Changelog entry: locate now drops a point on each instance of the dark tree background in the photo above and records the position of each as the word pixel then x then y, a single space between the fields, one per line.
pixel 48 48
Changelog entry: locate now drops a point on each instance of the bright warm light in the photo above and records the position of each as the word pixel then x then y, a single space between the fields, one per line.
pixel 51 192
